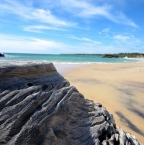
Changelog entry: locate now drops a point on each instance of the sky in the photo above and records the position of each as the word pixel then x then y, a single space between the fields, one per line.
pixel 71 26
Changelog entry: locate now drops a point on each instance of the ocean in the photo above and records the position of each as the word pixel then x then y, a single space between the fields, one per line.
pixel 67 58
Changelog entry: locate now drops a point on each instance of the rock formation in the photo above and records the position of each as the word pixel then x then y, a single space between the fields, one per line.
pixel 2 55
pixel 124 55
pixel 39 107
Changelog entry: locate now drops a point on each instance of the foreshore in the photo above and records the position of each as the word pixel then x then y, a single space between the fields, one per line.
pixel 64 68
pixel 118 87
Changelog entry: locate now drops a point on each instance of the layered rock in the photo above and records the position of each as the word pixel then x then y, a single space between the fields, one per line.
pixel 39 107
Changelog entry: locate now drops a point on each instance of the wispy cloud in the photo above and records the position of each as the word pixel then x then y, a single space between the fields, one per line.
pixel 129 39
pixel 119 17
pixel 31 13
pixel 85 39
pixel 12 43
pixel 121 37
pixel 129 42
pixel 21 44
pixel 106 30
pixel 84 9
pixel 40 28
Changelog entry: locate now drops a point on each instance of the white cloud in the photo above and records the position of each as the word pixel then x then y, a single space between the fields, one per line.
pixel 119 17
pixel 121 37
pixel 20 44
pixel 12 43
pixel 40 28
pixel 106 30
pixel 129 42
pixel 129 39
pixel 84 9
pixel 30 13
pixel 46 17
pixel 85 39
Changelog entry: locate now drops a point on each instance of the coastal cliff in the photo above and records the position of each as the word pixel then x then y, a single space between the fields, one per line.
pixel 39 107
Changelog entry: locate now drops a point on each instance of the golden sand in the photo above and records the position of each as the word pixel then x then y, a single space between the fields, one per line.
pixel 119 87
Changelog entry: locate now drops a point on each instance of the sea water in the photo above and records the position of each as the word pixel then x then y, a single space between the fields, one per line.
pixel 66 58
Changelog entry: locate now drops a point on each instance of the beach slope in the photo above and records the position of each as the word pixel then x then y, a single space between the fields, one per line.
pixel 119 87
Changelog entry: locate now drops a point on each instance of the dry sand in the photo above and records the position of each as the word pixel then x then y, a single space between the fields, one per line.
pixel 119 87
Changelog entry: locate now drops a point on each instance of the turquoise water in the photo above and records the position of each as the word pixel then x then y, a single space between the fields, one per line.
pixel 66 59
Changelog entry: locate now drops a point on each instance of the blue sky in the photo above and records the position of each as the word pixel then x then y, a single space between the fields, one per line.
pixel 71 26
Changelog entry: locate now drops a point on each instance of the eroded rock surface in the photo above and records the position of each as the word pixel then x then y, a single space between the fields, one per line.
pixel 39 107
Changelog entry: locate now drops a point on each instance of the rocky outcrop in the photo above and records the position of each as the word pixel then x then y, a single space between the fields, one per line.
pixel 2 55
pixel 110 56
pixel 39 107
pixel 124 55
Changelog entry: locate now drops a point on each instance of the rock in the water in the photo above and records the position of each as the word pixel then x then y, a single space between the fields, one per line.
pixel 2 55
pixel 39 107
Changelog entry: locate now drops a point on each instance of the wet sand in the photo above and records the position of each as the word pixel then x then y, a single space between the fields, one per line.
pixel 119 87
pixel 64 68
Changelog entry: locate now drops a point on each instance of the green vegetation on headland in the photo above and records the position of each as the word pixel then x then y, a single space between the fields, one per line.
pixel 118 55
pixel 122 55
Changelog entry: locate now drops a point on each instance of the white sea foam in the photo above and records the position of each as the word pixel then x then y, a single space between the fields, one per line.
pixel 138 59
pixel 10 56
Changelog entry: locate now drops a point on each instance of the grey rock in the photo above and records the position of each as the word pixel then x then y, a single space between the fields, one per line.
pixel 39 107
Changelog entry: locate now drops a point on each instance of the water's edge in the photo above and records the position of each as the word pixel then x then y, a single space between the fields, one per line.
pixel 67 59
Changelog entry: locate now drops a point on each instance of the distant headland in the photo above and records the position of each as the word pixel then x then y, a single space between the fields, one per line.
pixel 116 55
pixel 124 55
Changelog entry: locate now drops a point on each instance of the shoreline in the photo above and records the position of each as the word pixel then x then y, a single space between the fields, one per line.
pixel 69 59
pixel 63 68
pixel 118 87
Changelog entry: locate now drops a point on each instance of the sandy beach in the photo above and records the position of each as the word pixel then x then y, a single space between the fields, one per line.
pixel 119 87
